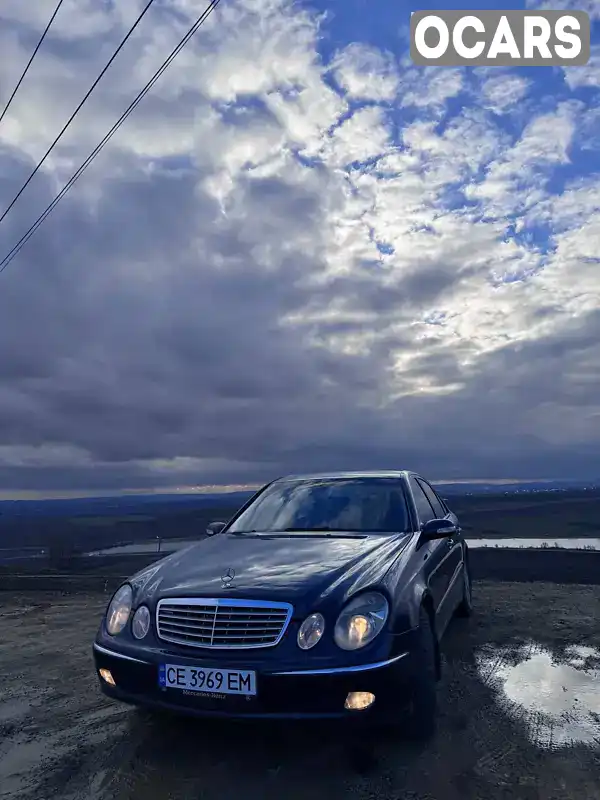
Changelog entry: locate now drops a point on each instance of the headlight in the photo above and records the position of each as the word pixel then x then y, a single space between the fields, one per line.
pixel 361 621
pixel 311 631
pixel 140 624
pixel 119 610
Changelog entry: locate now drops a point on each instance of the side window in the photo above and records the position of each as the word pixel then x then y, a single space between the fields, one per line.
pixel 438 508
pixel 424 509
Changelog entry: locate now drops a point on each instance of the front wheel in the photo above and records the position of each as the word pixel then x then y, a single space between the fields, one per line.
pixel 423 698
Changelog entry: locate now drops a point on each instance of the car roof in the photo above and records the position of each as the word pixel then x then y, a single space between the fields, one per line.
pixel 386 473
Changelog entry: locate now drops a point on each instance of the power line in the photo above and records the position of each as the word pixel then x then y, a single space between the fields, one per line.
pixel 29 233
pixel 77 110
pixel 33 55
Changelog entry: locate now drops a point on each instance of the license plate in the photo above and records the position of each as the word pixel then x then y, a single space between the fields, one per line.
pixel 207 681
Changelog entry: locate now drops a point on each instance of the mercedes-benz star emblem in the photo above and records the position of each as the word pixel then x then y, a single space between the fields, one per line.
pixel 227 577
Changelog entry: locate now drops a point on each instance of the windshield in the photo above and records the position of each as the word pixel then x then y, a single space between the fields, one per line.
pixel 355 504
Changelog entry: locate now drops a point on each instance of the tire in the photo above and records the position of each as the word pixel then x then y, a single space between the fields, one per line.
pixel 465 607
pixel 423 699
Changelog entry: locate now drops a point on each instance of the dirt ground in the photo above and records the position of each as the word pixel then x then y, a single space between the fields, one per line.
pixel 519 717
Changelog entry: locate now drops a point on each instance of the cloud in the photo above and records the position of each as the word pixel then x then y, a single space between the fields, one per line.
pixel 587 75
pixel 589 6
pixel 502 92
pixel 517 178
pixel 366 73
pixel 430 88
pixel 292 256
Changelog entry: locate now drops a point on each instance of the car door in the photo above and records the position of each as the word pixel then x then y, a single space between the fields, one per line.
pixel 453 559
pixel 437 569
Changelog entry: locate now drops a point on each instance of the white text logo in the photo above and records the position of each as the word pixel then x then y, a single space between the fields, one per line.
pixel 500 38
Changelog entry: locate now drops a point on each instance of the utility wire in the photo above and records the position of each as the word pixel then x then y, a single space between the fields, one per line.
pixel 78 109
pixel 33 55
pixel 29 233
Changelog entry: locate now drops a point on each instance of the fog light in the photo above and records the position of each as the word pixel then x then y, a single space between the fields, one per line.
pixel 358 701
pixel 105 674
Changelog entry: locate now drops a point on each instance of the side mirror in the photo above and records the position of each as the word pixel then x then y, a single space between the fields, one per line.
pixel 214 528
pixel 437 529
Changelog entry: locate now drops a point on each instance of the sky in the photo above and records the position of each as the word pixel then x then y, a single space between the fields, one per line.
pixel 300 252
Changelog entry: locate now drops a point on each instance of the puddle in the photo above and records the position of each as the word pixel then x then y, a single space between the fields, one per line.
pixel 582 543
pixel 578 654
pixel 559 698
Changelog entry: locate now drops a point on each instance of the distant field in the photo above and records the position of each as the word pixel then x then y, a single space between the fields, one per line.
pixel 109 522
pixel 540 516
pixel 543 515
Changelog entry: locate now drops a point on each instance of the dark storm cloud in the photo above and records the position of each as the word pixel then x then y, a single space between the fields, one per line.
pixel 150 321
pixel 159 363
pixel 145 345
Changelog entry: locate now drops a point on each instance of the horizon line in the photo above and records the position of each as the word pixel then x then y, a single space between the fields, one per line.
pixel 66 494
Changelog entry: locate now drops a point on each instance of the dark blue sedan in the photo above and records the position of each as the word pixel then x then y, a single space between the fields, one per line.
pixel 325 596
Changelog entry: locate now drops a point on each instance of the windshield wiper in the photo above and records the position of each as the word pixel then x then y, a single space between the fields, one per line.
pixel 329 533
pixel 307 530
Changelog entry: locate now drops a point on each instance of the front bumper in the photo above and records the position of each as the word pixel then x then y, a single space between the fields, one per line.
pixel 289 694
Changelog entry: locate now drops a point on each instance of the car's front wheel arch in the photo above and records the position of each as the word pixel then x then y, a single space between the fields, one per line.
pixel 427 603
pixel 465 607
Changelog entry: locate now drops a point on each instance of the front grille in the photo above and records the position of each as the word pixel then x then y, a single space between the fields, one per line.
pixel 222 623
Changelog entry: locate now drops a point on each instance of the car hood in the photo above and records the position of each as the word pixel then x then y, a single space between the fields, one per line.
pixel 300 569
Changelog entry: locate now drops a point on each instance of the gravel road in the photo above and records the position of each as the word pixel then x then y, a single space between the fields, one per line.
pixel 520 717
